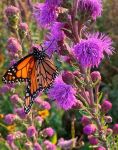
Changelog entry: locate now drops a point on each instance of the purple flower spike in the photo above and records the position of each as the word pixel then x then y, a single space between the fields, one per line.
pixel 31 131
pixel 92 8
pixel 90 52
pixel 37 146
pixel 53 2
pixel 64 94
pixel 9 118
pixel 44 14
pixel 48 132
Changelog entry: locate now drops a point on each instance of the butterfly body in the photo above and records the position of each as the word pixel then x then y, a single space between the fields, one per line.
pixel 39 72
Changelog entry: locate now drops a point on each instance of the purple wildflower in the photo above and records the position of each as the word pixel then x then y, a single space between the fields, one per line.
pixel 91 8
pixel 13 46
pixel 37 146
pixel 31 131
pixel 48 132
pixel 44 14
pixel 11 10
pixel 9 118
pixel 53 2
pixel 20 112
pixel 64 95
pixel 49 145
pixel 90 52
pixel 89 129
pixel 14 98
pixel 101 148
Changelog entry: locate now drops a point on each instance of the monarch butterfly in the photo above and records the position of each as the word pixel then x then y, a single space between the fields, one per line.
pixel 39 72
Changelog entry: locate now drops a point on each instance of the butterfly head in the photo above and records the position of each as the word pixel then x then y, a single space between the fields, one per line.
pixel 39 54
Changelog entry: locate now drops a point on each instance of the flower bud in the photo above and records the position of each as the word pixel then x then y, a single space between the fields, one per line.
pixel 13 16
pixel 31 131
pixel 9 118
pixel 108 119
pixel 68 77
pixel 85 120
pixel 28 145
pixel 14 98
pixel 109 131
pixel 23 29
pixel 37 146
pixel 89 129
pixel 95 75
pixel 10 138
pixel 106 106
pixel 92 140
pixel 115 129
pixel 77 105
pixel 48 132
pixel 101 148
pixel 13 46
pixel 21 113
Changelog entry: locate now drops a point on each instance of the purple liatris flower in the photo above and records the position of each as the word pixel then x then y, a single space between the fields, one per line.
pixel 9 118
pixel 53 2
pixel 44 14
pixel 49 145
pixel 90 52
pixel 20 112
pixel 13 46
pixel 31 131
pixel 101 148
pixel 37 146
pixel 89 129
pixel 64 94
pixel 5 88
pixel 90 8
pixel 48 132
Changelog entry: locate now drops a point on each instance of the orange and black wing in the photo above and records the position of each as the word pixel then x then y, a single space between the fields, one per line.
pixel 20 71
pixel 42 77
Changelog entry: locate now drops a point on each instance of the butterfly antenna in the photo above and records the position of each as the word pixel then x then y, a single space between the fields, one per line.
pixel 50 44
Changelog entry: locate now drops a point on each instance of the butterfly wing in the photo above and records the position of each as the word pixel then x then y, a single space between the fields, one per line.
pixel 20 71
pixel 42 76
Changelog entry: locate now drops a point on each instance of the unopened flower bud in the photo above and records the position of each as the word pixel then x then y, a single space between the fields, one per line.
pixel 109 131
pixel 101 148
pixel 95 75
pixel 89 129
pixel 92 140
pixel 106 106
pixel 85 120
pixel 68 77
pixel 9 118
pixel 78 105
pixel 108 119
pixel 23 29
pixel 37 146
pixel 115 129
pixel 31 131
pixel 14 98
pixel 13 16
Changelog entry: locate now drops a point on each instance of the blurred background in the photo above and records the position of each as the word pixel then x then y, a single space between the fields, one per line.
pixel 60 121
